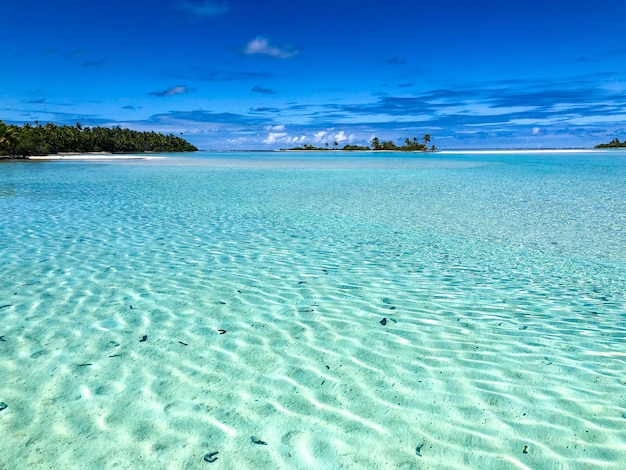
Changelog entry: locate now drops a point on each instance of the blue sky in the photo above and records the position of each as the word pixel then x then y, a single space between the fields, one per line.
pixel 266 74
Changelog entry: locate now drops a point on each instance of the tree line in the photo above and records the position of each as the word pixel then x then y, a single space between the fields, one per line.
pixel 376 144
pixel 409 145
pixel 49 139
pixel 615 143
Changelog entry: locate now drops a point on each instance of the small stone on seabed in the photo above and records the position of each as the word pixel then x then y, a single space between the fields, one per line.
pixel 210 457
pixel 3 405
pixel 143 338
pixel 256 440
pixel 418 449
pixel 383 321
pixel 525 450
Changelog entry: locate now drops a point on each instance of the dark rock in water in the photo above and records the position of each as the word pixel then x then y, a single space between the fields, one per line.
pixel 256 440
pixel 222 331
pixel 418 449
pixel 2 338
pixel 143 338
pixel 3 406
pixel 383 321
pixel 210 457
pixel 386 301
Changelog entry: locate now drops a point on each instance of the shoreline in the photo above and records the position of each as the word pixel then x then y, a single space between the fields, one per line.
pixel 92 156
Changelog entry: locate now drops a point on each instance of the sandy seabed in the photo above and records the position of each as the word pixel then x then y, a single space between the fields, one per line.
pixel 441 318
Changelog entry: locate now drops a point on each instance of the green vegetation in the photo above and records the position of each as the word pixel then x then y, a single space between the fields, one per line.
pixel 27 140
pixel 335 145
pixel 615 143
pixel 409 145
pixel 388 145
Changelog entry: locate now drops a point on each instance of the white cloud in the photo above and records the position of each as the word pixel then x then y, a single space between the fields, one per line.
pixel 276 138
pixel 260 45
pixel 171 91
pixel 536 130
pixel 277 128
pixel 282 137
pixel 319 136
pixel 330 136
pixel 341 136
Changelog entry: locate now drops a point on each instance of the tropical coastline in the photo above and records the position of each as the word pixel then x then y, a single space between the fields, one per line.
pixel 92 156
pixel 19 142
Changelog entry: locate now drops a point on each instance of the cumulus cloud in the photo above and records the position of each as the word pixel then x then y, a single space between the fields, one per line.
pixel 331 136
pixel 171 91
pixel 204 7
pixel 276 137
pixel 319 135
pixel 261 45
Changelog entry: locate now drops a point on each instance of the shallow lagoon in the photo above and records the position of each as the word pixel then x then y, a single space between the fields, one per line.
pixel 261 282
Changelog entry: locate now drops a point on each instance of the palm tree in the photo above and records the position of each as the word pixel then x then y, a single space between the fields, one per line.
pixel 8 138
pixel 335 144
pixel 426 140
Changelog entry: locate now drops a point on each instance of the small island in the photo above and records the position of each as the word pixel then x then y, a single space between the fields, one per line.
pixel 51 139
pixel 615 143
pixel 376 144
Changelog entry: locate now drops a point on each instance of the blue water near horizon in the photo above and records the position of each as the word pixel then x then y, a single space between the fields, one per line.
pixel 501 279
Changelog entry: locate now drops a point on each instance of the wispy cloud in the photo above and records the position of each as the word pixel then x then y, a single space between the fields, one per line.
pixel 263 91
pixel 201 116
pixel 39 101
pixel 171 91
pixel 265 110
pixel 204 8
pixel 261 45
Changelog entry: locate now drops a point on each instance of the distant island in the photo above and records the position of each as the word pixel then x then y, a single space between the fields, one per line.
pixel 50 139
pixel 615 143
pixel 388 145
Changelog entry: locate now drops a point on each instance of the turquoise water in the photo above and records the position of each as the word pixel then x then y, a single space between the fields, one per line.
pixel 501 279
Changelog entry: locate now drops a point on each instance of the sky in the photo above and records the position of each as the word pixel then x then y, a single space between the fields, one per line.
pixel 269 74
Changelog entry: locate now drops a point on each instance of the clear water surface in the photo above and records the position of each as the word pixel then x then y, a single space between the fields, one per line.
pixel 349 310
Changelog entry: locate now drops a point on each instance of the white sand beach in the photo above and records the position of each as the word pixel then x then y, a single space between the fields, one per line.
pixel 95 156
